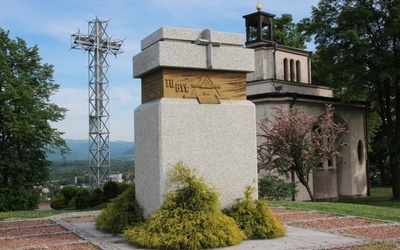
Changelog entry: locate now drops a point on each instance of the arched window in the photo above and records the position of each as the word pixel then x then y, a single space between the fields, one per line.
pixel 266 32
pixel 292 70
pixel 317 131
pixel 298 70
pixel 360 152
pixel 285 70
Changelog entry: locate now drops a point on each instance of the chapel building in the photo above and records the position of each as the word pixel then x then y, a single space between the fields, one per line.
pixel 282 77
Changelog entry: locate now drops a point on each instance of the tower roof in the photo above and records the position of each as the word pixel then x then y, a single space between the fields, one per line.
pixel 259 27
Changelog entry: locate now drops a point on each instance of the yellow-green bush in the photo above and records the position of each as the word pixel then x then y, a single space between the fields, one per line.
pixel 121 213
pixel 255 217
pixel 189 218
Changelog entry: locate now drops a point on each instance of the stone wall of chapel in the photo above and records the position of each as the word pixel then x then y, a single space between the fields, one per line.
pixel 264 110
pixel 292 72
pixel 353 179
pixel 264 65
pixel 351 172
pixel 269 64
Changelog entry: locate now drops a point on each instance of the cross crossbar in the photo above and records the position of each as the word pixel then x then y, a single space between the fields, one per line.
pixel 210 43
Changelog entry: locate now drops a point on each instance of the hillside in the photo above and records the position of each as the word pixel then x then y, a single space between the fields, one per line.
pixel 80 150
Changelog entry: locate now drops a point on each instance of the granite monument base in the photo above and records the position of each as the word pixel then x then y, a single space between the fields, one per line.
pixel 217 140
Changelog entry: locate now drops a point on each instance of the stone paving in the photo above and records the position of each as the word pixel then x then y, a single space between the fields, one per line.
pixel 305 230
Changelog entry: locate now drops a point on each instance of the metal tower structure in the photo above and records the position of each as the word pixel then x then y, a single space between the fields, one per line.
pixel 98 45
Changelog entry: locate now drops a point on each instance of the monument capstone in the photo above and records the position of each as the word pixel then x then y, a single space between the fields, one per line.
pixel 194 110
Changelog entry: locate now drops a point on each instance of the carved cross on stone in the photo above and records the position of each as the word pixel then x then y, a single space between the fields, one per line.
pixel 208 41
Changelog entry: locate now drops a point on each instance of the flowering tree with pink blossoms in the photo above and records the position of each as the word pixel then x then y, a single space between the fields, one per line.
pixel 294 141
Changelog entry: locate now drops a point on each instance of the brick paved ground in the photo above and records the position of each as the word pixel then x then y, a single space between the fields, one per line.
pixel 377 234
pixel 61 232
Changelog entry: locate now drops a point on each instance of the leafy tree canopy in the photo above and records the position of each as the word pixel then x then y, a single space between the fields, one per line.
pixel 26 86
pixel 288 33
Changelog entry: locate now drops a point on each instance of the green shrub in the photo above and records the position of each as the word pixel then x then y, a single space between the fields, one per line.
pixel 82 198
pixel 65 198
pixel 255 217
pixel 189 218
pixel 58 202
pixel 96 197
pixel 121 213
pixel 69 192
pixel 276 189
pixel 18 198
pixel 110 191
pixel 122 187
pixel 72 203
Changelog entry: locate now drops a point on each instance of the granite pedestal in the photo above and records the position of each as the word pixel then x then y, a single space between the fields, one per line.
pixel 195 111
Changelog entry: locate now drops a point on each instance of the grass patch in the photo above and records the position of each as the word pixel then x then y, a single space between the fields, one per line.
pixel 378 206
pixel 31 214
pixel 381 197
pixel 16 215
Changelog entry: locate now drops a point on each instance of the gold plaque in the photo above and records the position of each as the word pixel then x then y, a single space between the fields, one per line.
pixel 208 87
pixel 208 99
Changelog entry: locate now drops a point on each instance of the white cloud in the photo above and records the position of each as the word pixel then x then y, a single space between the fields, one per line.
pixel 123 101
pixel 121 95
pixel 74 99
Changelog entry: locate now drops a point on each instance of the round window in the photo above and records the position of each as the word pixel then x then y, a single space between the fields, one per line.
pixel 360 152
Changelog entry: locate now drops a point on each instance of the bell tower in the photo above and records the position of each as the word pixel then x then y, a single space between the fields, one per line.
pixel 259 28
pixel 275 62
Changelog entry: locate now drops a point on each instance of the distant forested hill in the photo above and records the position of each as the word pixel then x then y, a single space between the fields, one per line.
pixel 80 150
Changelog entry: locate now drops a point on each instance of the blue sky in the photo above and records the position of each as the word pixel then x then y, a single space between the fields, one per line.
pixel 50 23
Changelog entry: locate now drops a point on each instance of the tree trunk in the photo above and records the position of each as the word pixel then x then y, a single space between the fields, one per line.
pixel 294 183
pixel 304 181
pixel 394 161
pixel 309 191
pixel 381 167
pixel 395 170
